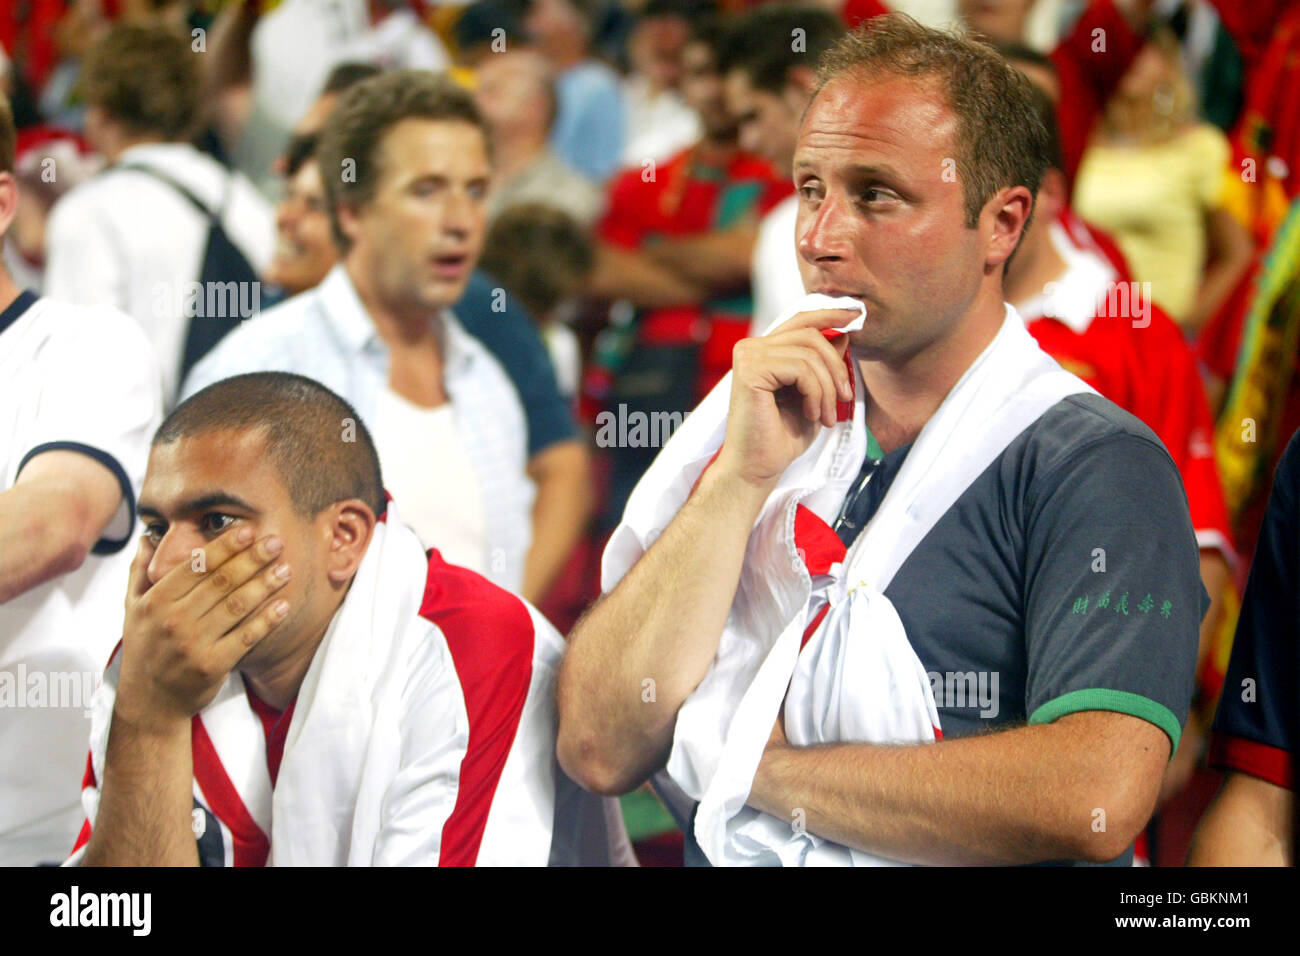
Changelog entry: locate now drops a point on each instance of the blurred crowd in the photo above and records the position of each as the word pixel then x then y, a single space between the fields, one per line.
pixel 638 220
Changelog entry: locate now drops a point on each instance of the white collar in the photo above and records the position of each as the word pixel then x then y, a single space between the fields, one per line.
pixel 1074 297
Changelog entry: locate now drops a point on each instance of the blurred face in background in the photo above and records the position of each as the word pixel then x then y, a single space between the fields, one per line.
pixel 1156 65
pixel 1000 20
pixel 703 91
pixel 304 246
pixel 511 92
pixel 554 23
pixel 654 50
pixel 768 123
pixel 416 240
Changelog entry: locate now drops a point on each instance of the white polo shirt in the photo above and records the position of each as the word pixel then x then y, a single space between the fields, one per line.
pixel 776 282
pixel 125 239
pixel 79 379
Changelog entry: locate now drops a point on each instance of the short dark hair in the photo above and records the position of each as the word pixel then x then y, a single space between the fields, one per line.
pixel 365 112
pixel 300 150
pixel 1001 141
pixel 146 77
pixel 762 43
pixel 540 254
pixel 348 74
pixel 713 32
pixel 316 440
pixel 8 136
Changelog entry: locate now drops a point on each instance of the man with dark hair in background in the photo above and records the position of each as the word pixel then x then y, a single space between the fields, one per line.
pixel 769 64
pixel 298 682
pixel 676 240
pixel 136 236
pixel 81 397
pixel 558 461
pixel 405 163
pixel 932 599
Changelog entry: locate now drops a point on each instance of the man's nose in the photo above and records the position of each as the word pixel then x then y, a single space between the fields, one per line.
pixel 460 214
pixel 175 548
pixel 825 236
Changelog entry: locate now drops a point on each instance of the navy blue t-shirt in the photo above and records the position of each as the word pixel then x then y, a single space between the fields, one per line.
pixel 507 330
pixel 1255 728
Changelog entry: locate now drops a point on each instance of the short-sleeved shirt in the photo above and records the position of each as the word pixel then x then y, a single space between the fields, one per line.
pixel 1256 726
pixel 83 380
pixel 507 330
pixel 1065 578
pixel 1102 328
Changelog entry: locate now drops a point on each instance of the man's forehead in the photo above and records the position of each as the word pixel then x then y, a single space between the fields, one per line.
pixel 224 458
pixel 434 145
pixel 902 117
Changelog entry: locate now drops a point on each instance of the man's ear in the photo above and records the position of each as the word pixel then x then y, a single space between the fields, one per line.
pixel 1009 211
pixel 347 528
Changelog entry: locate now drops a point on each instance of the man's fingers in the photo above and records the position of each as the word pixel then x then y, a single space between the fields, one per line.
pixel 231 648
pixel 242 601
pixel 138 580
pixel 224 581
pixel 816 319
pixel 805 371
pixel 188 574
pixel 832 353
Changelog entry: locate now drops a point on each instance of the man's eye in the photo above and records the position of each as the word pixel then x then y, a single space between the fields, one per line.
pixel 216 523
pixel 808 192
pixel 875 195
pixel 154 532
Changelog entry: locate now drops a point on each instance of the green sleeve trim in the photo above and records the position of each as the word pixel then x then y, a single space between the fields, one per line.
pixel 1121 701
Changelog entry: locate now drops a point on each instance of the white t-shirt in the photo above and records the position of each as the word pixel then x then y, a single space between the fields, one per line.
pixel 659 126
pixel 776 282
pixel 126 239
pixel 429 473
pixel 295 46
pixel 79 379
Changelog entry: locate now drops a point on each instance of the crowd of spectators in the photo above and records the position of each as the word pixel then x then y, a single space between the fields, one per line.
pixel 611 209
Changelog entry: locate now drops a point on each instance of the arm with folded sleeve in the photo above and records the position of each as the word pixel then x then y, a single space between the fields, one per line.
pixel 50 519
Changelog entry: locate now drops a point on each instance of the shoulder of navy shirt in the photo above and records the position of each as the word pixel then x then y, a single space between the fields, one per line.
pixel 514 341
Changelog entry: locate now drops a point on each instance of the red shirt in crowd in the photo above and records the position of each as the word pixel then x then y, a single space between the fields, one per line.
pixel 690 195
pixel 1086 321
